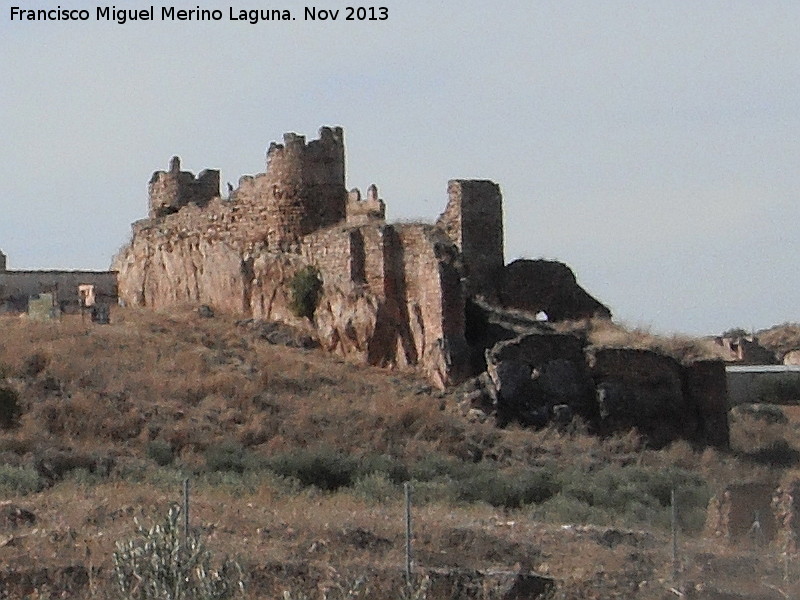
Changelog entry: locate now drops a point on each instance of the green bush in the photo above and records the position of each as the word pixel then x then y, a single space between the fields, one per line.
pixel 10 409
pixel 305 288
pixel 227 456
pixel 381 464
pixel 321 467
pixel 435 467
pixel 567 509
pixel 769 413
pixel 636 495
pixel 19 480
pixel 376 487
pixel 507 489
pixel 162 563
pixel 443 491
pixel 161 452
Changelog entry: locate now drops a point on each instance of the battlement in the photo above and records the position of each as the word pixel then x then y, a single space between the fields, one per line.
pixel 362 211
pixel 169 191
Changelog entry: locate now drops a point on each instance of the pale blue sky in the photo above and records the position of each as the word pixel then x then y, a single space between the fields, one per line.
pixel 653 146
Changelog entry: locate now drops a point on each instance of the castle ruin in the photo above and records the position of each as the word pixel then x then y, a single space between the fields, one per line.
pixel 393 294
pixel 437 298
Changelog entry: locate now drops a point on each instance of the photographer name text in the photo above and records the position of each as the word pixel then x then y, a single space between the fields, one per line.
pixel 253 16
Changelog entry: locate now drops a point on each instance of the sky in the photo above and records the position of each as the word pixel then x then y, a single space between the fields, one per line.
pixel 652 146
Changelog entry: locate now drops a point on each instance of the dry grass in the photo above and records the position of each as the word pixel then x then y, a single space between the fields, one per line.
pixel 190 390
pixel 780 338
pixel 603 333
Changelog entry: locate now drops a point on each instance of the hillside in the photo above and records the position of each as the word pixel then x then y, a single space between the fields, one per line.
pixel 296 461
pixel 780 338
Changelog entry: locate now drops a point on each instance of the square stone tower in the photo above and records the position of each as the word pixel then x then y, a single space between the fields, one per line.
pixel 473 219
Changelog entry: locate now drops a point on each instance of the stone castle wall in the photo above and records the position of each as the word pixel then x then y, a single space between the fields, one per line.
pixel 361 211
pixel 392 295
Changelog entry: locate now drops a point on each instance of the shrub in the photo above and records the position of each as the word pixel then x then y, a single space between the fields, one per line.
pixel 376 487
pixel 34 364
pixel 19 480
pixel 381 464
pixel 161 563
pixel 769 413
pixel 638 495
pixel 10 409
pixel 227 456
pixel 161 452
pixel 305 287
pixel 778 454
pixel 507 489
pixel 567 509
pixel 321 467
pixel 436 466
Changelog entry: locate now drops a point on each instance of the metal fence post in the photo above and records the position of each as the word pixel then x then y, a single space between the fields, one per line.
pixel 674 519
pixel 186 510
pixel 407 490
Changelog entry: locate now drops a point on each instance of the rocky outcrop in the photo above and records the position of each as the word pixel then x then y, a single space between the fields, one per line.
pixel 390 294
pixel 550 287
pixel 542 377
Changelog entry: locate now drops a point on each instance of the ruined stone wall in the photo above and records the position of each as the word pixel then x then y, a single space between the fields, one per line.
pixel 434 300
pixel 548 286
pixel 473 219
pixel 732 513
pixel 705 386
pixel 391 296
pixel 18 286
pixel 169 191
pixel 642 389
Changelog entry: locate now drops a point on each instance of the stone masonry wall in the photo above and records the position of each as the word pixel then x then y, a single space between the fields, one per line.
pixel 473 219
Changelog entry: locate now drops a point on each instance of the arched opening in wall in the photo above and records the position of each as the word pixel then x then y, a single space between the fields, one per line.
pixel 542 317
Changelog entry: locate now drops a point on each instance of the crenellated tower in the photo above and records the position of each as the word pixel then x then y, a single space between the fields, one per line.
pixel 303 187
pixel 171 190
